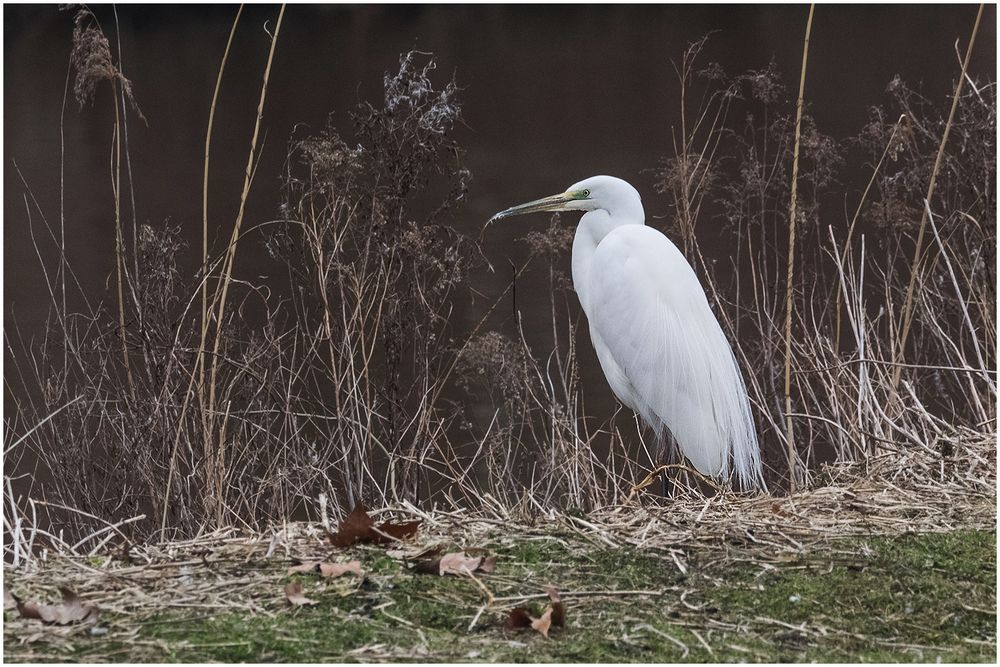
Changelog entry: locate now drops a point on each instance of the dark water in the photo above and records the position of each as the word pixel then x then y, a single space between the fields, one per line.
pixel 551 94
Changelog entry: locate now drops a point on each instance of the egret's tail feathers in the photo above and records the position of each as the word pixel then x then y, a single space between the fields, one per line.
pixel 705 408
pixel 743 447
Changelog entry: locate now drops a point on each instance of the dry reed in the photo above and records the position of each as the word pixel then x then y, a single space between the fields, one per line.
pixel 358 385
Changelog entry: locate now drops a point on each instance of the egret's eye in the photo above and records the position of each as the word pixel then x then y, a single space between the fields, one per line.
pixel 586 193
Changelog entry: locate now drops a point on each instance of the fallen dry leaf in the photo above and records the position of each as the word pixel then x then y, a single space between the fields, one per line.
pixel 553 616
pixel 295 596
pixel 558 608
pixel 304 567
pixel 70 610
pixel 519 617
pixel 543 624
pixel 355 528
pixel 359 527
pixel 331 570
pixel 456 563
pixel 8 600
pixel 488 565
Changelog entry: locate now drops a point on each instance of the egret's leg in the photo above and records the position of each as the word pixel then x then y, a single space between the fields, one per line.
pixel 667 454
pixel 661 469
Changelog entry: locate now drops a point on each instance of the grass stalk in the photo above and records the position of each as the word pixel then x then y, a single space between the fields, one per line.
pixel 904 333
pixel 200 360
pixel 854 221
pixel 792 457
pixel 227 269
pixel 204 196
pixel 62 208
pixel 119 240
pixel 121 100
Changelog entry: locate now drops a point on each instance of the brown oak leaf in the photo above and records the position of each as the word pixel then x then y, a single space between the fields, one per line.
pixel 553 616
pixel 359 527
pixel 543 624
pixel 558 608
pixel 456 563
pixel 304 567
pixel 70 610
pixel 355 528
pixel 519 617
pixel 331 570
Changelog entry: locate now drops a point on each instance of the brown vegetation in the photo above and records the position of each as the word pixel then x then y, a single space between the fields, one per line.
pixel 349 389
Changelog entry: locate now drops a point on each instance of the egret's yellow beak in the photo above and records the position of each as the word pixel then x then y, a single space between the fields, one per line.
pixel 553 203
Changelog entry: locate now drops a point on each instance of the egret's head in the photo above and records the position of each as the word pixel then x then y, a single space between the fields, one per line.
pixel 597 192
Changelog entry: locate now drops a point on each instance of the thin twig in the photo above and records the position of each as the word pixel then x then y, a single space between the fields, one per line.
pixel 918 250
pixel 792 456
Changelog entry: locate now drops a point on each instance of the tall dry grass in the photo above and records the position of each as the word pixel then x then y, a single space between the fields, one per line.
pixel 363 384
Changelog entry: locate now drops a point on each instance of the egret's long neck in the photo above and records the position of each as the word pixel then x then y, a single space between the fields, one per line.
pixel 593 227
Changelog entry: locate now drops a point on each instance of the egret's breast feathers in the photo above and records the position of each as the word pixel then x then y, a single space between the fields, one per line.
pixel 650 311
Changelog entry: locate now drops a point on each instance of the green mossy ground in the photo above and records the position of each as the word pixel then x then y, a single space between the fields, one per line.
pixel 915 597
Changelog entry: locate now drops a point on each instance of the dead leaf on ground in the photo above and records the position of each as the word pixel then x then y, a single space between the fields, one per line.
pixel 355 528
pixel 553 616
pixel 295 595
pixel 519 617
pixel 543 624
pixel 558 608
pixel 331 570
pixel 70 610
pixel 358 527
pixel 456 563
pixel 8 600
pixel 304 567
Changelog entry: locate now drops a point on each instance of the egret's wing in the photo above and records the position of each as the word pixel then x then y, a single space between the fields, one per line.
pixel 651 314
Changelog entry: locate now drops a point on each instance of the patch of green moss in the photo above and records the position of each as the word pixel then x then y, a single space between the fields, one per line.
pixel 910 597
pixel 907 598
pixel 533 552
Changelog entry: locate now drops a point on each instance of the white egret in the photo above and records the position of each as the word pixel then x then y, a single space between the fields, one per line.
pixel 659 344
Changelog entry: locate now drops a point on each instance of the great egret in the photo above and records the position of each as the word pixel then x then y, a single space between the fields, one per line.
pixel 659 344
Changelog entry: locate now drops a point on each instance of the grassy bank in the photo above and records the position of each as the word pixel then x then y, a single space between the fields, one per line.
pixel 903 597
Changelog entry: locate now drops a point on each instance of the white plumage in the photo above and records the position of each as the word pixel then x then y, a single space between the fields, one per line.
pixel 659 344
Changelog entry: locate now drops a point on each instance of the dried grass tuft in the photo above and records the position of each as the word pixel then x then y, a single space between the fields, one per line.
pixel 91 58
pixel 239 571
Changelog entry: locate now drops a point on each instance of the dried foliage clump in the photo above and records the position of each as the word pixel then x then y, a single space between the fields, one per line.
pixel 377 282
pixel 353 382
pixel 496 365
pixel 889 495
pixel 339 393
pixel 91 58
pixel 853 273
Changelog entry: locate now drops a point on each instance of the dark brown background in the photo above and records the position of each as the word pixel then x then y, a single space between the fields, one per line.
pixel 551 94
